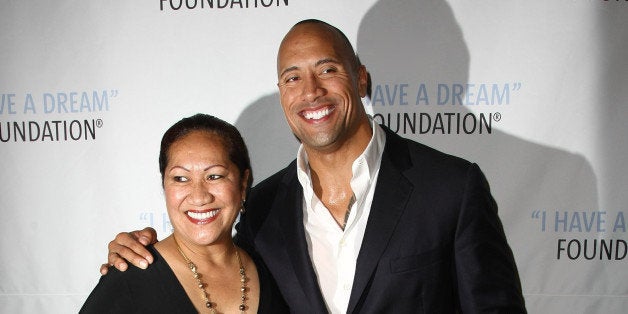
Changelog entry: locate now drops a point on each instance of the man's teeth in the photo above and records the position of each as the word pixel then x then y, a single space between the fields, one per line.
pixel 318 114
pixel 203 215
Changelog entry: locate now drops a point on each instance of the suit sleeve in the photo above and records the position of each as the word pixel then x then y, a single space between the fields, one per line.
pixel 487 277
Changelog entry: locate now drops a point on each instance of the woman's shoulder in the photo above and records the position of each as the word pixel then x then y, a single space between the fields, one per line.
pixel 134 273
pixel 136 289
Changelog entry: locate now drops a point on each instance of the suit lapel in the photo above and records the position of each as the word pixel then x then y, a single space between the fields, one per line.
pixel 386 210
pixel 289 248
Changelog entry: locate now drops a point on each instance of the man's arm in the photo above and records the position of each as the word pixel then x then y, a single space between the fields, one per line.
pixel 488 280
pixel 130 247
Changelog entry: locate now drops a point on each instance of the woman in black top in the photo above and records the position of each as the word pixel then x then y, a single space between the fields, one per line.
pixel 206 172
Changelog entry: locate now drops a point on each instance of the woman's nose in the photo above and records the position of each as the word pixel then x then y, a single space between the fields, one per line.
pixel 200 194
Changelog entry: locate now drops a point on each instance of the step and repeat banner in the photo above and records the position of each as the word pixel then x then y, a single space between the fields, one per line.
pixel 535 92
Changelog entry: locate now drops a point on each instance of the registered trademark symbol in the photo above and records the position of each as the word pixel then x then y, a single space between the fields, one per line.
pixel 99 123
pixel 497 116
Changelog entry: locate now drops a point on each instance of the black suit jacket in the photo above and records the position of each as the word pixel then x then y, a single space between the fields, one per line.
pixel 433 241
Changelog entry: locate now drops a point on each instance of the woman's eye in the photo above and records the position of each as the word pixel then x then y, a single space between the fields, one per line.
pixel 214 177
pixel 180 179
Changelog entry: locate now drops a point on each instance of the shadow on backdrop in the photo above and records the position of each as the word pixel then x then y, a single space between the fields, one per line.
pixel 613 107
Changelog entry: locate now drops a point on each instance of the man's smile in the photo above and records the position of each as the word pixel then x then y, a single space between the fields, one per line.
pixel 317 114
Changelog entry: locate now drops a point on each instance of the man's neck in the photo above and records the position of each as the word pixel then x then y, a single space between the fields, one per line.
pixel 331 172
pixel 340 157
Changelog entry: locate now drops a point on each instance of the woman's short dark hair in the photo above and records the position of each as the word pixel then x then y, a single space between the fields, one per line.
pixel 230 136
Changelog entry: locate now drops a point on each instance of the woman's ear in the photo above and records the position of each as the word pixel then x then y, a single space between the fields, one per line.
pixel 245 183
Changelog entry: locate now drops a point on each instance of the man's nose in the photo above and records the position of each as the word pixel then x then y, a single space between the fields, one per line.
pixel 312 88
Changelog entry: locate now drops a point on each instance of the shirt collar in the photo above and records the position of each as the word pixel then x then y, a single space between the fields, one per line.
pixel 372 154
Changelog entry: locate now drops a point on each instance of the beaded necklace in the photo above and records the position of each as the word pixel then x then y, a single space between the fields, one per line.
pixel 211 306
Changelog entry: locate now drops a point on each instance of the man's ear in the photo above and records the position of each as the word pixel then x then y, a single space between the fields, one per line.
pixel 363 80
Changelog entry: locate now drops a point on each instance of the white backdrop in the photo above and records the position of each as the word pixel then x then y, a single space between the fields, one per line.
pixel 534 92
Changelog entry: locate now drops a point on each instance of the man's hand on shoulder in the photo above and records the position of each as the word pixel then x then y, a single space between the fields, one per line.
pixel 130 247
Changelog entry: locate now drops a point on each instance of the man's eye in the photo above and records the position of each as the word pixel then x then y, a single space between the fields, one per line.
pixel 292 79
pixel 329 70
pixel 214 177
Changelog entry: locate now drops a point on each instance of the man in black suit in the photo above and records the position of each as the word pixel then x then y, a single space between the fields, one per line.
pixel 364 221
